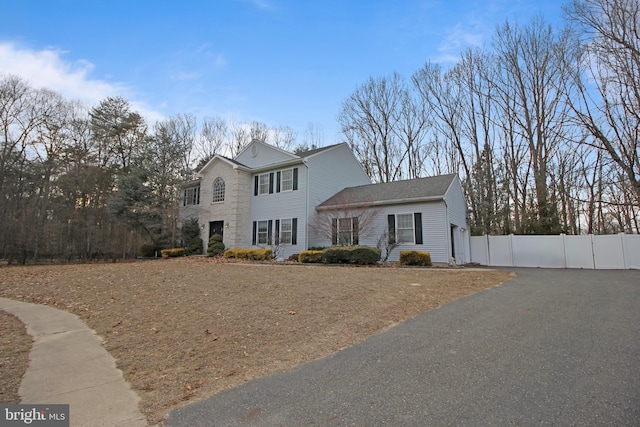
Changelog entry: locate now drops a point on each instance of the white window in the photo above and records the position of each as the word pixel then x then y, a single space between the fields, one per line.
pixel 345 231
pixel 263 232
pixel 286 229
pixel 191 196
pixel 404 228
pixel 218 190
pixel 263 184
pixel 286 180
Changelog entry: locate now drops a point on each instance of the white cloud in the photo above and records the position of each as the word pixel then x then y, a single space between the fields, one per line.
pixel 47 68
pixel 458 39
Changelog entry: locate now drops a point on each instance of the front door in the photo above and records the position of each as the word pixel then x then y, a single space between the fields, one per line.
pixel 216 227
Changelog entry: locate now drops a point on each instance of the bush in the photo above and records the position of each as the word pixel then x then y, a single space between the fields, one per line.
pixel 250 254
pixel 195 246
pixel 172 253
pixel 215 246
pixel 360 255
pixel 310 256
pixel 415 258
pixel 364 255
pixel 148 251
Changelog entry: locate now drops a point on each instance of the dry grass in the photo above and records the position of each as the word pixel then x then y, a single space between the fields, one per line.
pixel 184 329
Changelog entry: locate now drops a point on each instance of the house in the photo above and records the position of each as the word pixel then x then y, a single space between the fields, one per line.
pixel 268 197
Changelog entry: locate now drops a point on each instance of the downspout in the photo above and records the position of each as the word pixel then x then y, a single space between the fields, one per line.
pixel 306 209
pixel 447 228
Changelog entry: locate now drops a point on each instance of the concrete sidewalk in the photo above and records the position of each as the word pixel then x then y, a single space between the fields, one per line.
pixel 68 365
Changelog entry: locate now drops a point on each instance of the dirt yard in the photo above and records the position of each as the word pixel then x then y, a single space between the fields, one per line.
pixel 184 329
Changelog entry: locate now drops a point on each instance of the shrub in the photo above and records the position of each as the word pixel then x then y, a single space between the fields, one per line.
pixel 148 251
pixel 364 255
pixel 310 256
pixel 215 245
pixel 250 254
pixel 173 252
pixel 336 255
pixel 361 255
pixel 195 246
pixel 415 258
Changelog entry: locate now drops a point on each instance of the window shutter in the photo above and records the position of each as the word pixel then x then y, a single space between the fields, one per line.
pixel 356 230
pixel 277 232
pixel 278 182
pixel 392 228
pixel 255 186
pixel 255 232
pixel 270 232
pixel 295 178
pixel 271 183
pixel 334 231
pixel 294 231
pixel 417 222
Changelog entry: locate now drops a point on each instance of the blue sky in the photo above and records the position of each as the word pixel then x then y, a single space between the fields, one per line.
pixel 281 62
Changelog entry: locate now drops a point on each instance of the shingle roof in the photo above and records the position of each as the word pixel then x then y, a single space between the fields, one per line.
pixel 391 192
pixel 314 151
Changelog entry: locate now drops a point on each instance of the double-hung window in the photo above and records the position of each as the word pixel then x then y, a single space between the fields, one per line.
pixel 286 228
pixel 263 232
pixel 345 231
pixel 286 180
pixel 263 184
pixel 404 228
pixel 191 196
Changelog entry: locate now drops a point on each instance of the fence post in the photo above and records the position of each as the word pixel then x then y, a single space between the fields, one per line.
pixel 623 241
pixel 564 249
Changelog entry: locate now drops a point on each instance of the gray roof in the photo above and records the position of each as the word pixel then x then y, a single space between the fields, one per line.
pixel 315 151
pixel 419 189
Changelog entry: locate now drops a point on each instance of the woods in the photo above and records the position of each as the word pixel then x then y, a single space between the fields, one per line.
pixel 542 125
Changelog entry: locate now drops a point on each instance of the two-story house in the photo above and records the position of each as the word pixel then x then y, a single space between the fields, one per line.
pixel 268 197
pixel 265 196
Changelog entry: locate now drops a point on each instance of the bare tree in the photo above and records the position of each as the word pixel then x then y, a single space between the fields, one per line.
pixel 283 137
pixel 609 95
pixel 369 120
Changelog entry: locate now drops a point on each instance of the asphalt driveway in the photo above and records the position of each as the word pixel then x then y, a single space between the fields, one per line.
pixel 550 347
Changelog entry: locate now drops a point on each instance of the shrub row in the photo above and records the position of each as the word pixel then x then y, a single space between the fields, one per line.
pixel 250 254
pixel 361 255
pixel 415 258
pixel 173 252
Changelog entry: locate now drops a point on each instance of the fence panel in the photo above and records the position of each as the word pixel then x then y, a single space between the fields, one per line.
pixel 538 251
pixel 579 252
pixel 621 251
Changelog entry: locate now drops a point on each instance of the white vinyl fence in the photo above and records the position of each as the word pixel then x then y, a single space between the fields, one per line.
pixel 618 251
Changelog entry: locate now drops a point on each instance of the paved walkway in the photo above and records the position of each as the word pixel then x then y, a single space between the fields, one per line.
pixel 550 347
pixel 68 365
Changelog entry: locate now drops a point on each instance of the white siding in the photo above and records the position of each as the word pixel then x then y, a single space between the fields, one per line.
pixel 283 205
pixel 457 216
pixel 434 231
pixel 264 155
pixel 331 171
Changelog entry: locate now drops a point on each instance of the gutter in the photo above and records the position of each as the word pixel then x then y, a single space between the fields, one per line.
pixel 380 203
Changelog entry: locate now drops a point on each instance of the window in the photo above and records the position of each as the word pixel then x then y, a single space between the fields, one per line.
pixel 263 184
pixel 285 231
pixel 405 228
pixel 218 190
pixel 263 233
pixel 287 180
pixel 345 231
pixel 191 196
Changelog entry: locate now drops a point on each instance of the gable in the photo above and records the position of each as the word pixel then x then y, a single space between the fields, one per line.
pixel 258 154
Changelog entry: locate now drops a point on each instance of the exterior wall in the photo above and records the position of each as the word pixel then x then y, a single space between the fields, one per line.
pixel 232 211
pixel 434 233
pixel 283 205
pixel 258 154
pixel 457 217
pixel 329 172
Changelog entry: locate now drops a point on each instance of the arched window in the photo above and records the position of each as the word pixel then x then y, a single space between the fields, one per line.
pixel 218 190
